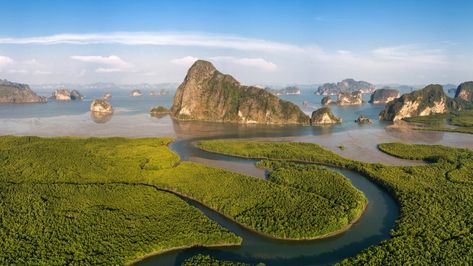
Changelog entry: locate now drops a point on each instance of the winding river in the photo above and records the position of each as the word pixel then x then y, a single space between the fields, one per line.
pixel 373 227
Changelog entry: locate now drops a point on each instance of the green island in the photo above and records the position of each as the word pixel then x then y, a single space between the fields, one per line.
pixel 200 259
pixel 436 199
pixel 115 200
pixel 459 122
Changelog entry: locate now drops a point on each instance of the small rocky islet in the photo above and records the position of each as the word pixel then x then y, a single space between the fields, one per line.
pixel 384 95
pixel 324 116
pixel 66 95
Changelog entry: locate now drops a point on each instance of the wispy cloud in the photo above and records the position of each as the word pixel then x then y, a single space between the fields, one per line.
pixel 248 62
pixel 110 64
pixel 259 63
pixel 411 53
pixel 184 61
pixel 157 38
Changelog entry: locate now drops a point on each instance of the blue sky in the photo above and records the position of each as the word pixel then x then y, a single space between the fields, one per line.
pixel 412 42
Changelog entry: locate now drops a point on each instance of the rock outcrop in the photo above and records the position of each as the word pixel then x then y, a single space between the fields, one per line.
pixel 107 96
pixel 346 85
pixel 101 106
pixel 354 98
pixel 327 100
pixel 384 95
pixel 11 92
pixel 161 92
pixel 208 95
pixel 66 95
pixel 291 90
pixel 465 91
pixel 159 111
pixel 430 100
pixel 61 95
pixel 363 120
pixel 76 96
pixel 136 93
pixel 324 116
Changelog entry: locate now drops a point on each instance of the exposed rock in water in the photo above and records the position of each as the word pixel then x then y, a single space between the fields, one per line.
pixel 384 95
pixel 346 85
pixel 101 106
pixel 324 116
pixel 107 96
pixel 354 98
pixel 75 95
pixel 208 95
pixel 61 95
pixel 363 120
pixel 136 93
pixel 11 92
pixel 159 111
pixel 327 100
pixel 291 90
pixel 161 92
pixel 430 100
pixel 465 91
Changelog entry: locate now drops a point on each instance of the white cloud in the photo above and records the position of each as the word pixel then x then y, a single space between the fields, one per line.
pixel 159 38
pixel 113 63
pixel 249 62
pixel 5 60
pixel 184 61
pixel 412 53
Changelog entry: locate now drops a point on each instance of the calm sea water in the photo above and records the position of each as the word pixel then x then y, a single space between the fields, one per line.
pixel 126 105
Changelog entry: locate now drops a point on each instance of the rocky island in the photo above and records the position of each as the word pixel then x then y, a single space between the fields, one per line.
pixel 107 96
pixel 208 95
pixel 384 95
pixel 291 90
pixel 101 106
pixel 136 93
pixel 161 92
pixel 430 100
pixel 159 111
pixel 346 85
pixel 11 92
pixel 354 98
pixel 324 116
pixel 465 91
pixel 344 98
pixel 66 95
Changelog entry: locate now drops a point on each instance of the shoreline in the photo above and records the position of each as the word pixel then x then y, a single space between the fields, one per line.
pixel 167 250
pixel 339 231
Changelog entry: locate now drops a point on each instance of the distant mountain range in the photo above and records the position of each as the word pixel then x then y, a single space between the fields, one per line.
pixel 345 86
pixel 107 86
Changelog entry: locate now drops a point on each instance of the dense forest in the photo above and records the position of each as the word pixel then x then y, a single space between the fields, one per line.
pixel 81 202
pixel 460 122
pixel 107 201
pixel 436 199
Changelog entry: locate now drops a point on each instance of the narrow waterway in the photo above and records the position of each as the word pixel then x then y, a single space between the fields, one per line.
pixel 373 227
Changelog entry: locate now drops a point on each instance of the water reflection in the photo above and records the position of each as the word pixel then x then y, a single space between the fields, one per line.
pixel 101 118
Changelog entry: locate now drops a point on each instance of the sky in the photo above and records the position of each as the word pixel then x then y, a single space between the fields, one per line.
pixel 258 42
